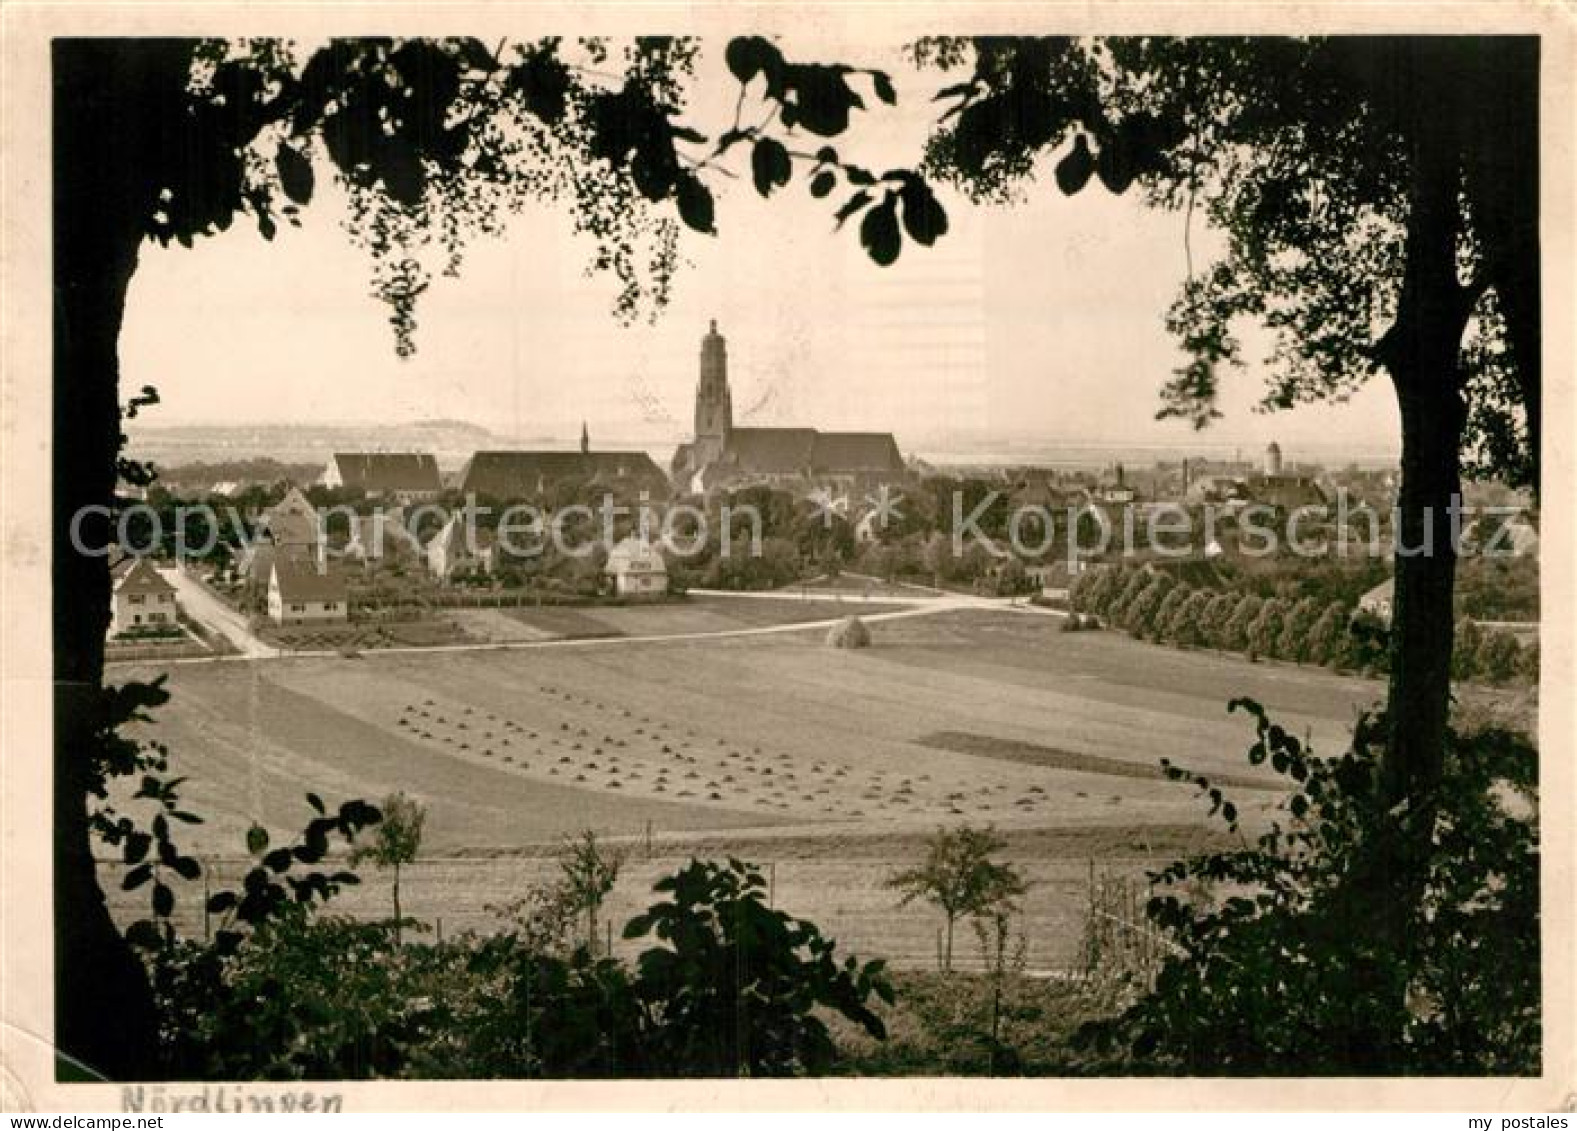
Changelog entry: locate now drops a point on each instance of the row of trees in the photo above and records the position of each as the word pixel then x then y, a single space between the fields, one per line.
pixel 1152 605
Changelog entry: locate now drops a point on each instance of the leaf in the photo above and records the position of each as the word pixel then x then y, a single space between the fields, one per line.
pixel 1115 166
pixel 277 860
pixel 822 183
pixel 137 845
pixel 770 165
pixel 695 204
pixel 747 56
pixel 884 87
pixel 856 202
pixel 221 901
pixel 186 867
pixel 1073 171
pixel 823 99
pixel 144 933
pixel 138 876
pixel 295 173
pixel 316 802
pixel 923 216
pixel 256 839
pixel 879 233
pixel 163 900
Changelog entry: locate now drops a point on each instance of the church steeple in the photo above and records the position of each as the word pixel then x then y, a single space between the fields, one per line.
pixel 585 439
pixel 714 409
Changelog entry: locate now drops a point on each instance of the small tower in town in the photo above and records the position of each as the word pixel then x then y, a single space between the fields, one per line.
pixel 585 439
pixel 1273 459
pixel 714 409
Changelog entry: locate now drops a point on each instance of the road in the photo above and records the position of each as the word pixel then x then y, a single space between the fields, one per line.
pixel 202 606
pixel 212 613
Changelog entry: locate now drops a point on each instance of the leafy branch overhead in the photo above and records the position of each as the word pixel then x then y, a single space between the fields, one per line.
pixel 819 99
pixel 1297 152
pixel 436 142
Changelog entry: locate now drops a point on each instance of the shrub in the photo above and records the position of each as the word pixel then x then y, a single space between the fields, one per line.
pixel 1296 955
pixel 734 987
pixel 1498 657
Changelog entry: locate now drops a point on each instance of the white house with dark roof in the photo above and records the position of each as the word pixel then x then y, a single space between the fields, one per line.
pixel 142 599
pixel 460 547
pixel 637 570
pixel 405 477
pixel 300 594
pixel 1380 600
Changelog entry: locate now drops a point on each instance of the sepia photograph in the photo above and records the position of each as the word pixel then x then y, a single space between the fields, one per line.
pixel 701 546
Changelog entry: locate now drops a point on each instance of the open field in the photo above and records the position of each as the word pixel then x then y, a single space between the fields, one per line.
pixel 829 765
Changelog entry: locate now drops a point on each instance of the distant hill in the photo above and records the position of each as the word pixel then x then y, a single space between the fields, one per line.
pixel 170 446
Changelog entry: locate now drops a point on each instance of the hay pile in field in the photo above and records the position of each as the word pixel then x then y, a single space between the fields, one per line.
pixel 850 632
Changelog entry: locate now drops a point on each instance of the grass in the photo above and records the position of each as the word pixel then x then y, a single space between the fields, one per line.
pixel 695 614
pixel 821 763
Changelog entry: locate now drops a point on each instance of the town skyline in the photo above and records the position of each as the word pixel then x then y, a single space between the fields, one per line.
pixel 1041 319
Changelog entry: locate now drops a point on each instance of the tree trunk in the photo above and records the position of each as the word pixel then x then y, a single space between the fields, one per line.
pixel 398 920
pixel 104 1018
pixel 1422 352
pixel 103 1011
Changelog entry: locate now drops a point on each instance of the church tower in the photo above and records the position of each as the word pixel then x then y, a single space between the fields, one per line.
pixel 714 409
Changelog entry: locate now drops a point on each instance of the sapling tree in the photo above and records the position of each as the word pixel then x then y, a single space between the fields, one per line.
pixel 960 878
pixel 394 843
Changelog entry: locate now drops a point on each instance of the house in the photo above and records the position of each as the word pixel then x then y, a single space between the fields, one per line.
pixel 1379 600
pixel 1213 489
pixel 521 476
pixel 1054 578
pixel 300 594
pixel 797 459
pixel 637 570
pixel 404 477
pixel 293 528
pixel 142 599
pixel 1285 492
pixel 460 547
pixel 1515 537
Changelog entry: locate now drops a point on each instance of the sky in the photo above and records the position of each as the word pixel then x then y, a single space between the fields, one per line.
pixel 1038 322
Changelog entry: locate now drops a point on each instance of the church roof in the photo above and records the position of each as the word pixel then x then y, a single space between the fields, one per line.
pixel 856 451
pixel 787 451
pixel 772 450
pixel 522 474
pixel 376 472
